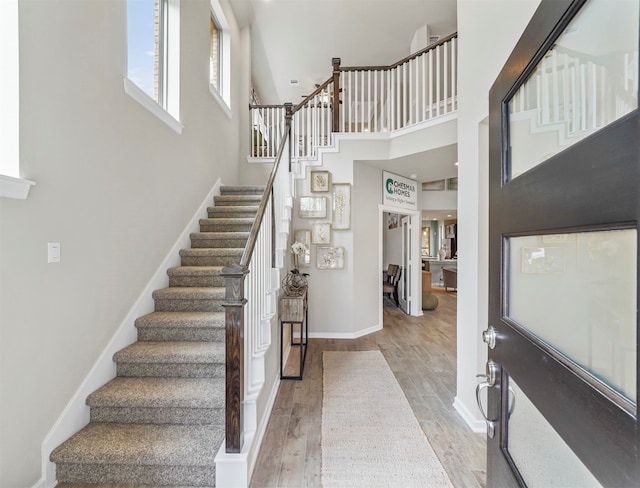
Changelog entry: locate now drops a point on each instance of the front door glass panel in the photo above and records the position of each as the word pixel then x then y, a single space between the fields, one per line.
pixel 577 293
pixel 533 443
pixel 585 81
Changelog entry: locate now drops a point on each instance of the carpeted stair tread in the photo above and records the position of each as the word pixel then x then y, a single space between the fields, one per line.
pixel 233 211
pixel 118 485
pixel 222 235
pixel 172 352
pixel 227 220
pixel 160 392
pixel 189 299
pixel 189 293
pixel 196 276
pixel 141 444
pixel 194 270
pixel 211 256
pixel 246 190
pixel 213 252
pixel 182 319
pixel 238 199
pixel 181 326
pixel 219 239
pixel 226 224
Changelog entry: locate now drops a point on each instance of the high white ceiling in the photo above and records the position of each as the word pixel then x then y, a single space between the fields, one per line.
pixel 296 40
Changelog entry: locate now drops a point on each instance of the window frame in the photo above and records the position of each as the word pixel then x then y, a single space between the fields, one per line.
pixel 222 93
pixel 167 105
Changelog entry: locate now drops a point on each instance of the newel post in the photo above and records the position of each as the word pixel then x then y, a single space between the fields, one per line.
pixel 233 304
pixel 335 103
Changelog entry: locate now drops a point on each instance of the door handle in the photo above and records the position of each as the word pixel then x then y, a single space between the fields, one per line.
pixel 490 378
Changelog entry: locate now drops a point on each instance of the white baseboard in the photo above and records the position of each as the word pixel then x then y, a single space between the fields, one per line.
pixel 40 484
pixel 344 335
pixel 76 414
pixel 476 425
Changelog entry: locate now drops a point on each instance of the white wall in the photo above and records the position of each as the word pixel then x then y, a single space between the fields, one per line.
pixel 115 186
pixel 330 290
pixel 484 45
pixel 367 196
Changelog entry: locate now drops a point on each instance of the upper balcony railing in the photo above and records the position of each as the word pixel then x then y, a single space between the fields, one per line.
pixel 369 99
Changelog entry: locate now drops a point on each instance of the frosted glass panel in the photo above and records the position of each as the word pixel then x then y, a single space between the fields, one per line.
pixel 534 443
pixel 577 292
pixel 588 79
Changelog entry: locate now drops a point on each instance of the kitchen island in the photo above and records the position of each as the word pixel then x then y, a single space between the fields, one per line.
pixel 435 265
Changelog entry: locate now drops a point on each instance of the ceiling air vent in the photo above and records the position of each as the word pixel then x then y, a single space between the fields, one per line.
pixel 433 39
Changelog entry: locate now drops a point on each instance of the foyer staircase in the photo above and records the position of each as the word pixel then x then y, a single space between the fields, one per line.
pixel 160 422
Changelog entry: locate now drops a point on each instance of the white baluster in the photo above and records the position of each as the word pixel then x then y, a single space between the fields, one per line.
pixel 348 116
pixel 438 78
pixel 369 101
pixel 430 83
pixel 555 117
pixel 445 82
pixel 454 73
pixel 594 94
pixel 376 122
pixel 583 97
pixel 565 91
pixel 404 87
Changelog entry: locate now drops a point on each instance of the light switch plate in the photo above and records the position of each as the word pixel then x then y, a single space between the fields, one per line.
pixel 53 252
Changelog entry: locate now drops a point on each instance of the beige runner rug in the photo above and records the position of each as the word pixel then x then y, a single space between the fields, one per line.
pixel 370 436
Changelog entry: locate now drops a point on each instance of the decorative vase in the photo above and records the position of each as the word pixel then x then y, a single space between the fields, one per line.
pixel 295 260
pixel 294 284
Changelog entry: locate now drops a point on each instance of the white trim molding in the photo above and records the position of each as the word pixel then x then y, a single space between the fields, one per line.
pixel 476 425
pixel 18 188
pixel 135 92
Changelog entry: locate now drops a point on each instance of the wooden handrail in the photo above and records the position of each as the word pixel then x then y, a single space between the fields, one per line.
pixel 313 94
pixel 234 302
pixel 430 47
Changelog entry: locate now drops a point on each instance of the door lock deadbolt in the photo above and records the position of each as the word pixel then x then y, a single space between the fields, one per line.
pixel 489 336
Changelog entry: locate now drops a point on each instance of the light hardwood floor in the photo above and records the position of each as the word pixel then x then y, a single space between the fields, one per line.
pixel 421 354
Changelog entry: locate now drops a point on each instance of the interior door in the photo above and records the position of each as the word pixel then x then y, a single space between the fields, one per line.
pixel 561 381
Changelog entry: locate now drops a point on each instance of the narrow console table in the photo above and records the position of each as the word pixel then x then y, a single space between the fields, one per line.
pixel 294 311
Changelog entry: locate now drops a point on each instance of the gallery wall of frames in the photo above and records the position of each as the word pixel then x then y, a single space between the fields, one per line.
pixel 325 211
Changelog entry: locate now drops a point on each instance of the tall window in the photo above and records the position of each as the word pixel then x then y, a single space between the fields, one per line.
pixel 219 56
pixel 214 53
pixel 153 44
pixel 144 47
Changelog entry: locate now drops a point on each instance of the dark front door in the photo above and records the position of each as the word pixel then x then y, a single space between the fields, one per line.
pixel 561 383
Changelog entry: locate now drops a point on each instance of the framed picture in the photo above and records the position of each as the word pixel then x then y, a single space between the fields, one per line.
pixel 303 236
pixel 452 184
pixel 330 257
pixel 320 181
pixel 341 206
pixel 313 208
pixel 321 233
